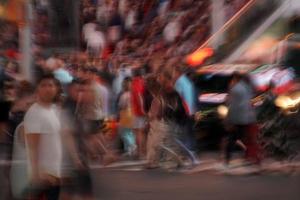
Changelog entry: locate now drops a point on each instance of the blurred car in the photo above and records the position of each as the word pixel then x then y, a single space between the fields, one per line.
pixel 289 52
pixel 213 82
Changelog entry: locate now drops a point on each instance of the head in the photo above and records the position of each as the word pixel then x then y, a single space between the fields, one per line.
pixel 85 92
pixel 153 85
pixel 40 61
pixel 74 89
pixel 9 90
pixel 137 72
pixel 86 73
pixel 80 72
pixel 166 80
pixel 236 77
pixel 12 67
pixel 178 70
pixel 92 73
pixel 126 84
pixel 48 89
pixel 271 86
pixel 24 89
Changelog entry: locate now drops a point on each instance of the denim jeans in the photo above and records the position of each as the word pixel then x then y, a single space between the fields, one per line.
pixel 128 138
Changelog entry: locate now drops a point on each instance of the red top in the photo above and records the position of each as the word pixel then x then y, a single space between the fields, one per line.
pixel 138 91
pixel 11 53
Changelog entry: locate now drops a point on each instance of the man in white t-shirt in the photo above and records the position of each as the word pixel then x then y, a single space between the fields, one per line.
pixel 43 141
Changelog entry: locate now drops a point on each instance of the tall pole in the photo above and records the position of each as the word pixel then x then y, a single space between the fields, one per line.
pixel 218 20
pixel 25 41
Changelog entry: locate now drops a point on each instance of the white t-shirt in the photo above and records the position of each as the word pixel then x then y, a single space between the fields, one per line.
pixel 46 122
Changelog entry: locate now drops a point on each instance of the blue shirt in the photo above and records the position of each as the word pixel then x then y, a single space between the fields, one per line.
pixel 186 90
pixel 241 111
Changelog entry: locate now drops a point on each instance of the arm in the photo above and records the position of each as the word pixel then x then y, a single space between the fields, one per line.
pixel 71 147
pixel 155 109
pixel 68 137
pixel 33 142
pixel 141 102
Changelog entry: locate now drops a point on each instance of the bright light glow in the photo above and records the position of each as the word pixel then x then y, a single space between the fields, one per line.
pixel 222 111
pixel 1 11
pixel 199 56
pixel 286 102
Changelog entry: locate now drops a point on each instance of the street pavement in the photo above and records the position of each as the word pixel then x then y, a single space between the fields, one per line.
pixel 210 163
pixel 161 185
pixel 208 181
pixel 128 179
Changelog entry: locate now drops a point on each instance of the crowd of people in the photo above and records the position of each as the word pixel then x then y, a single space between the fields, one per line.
pixel 126 94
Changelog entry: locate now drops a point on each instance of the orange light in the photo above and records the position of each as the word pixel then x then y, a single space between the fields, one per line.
pixel 2 11
pixel 13 11
pixel 199 56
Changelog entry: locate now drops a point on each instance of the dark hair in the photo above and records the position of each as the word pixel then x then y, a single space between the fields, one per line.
pixel 25 88
pixel 167 75
pixel 152 84
pixel 92 70
pixel 47 76
pixel 237 76
pixel 76 81
pixel 127 79
pixel 125 83
pixel 245 78
pixel 180 68
pixel 15 64
pixel 50 76
pixel 138 71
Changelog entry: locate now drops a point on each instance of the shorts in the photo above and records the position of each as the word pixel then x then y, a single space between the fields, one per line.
pixel 139 122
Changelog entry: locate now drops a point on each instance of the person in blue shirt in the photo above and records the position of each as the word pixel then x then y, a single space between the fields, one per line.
pixel 187 91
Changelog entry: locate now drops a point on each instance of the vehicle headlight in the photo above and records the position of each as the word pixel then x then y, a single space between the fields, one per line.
pixel 285 102
pixel 222 111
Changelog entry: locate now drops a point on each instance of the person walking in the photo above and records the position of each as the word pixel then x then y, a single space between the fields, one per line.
pixel 126 118
pixel 241 118
pixel 187 91
pixel 76 166
pixel 43 141
pixel 138 92
pixel 161 138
